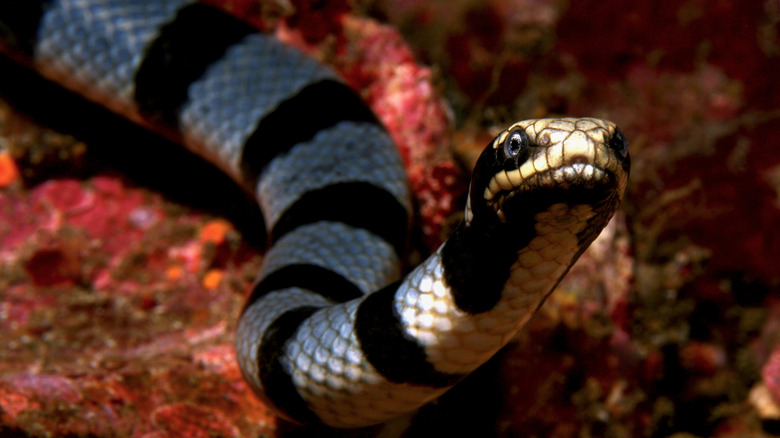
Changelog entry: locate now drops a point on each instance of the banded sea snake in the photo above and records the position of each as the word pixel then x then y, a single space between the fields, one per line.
pixel 330 334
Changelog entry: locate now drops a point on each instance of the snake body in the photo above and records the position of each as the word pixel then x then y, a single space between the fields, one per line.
pixel 332 332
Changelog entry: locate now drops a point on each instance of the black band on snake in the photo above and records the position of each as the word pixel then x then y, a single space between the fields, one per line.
pixel 332 333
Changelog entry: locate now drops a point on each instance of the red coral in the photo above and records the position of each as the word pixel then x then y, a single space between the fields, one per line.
pixel 8 171
pixel 188 420
pixel 771 375
pixel 703 357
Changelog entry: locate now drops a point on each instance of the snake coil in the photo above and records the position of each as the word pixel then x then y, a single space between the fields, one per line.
pixel 332 333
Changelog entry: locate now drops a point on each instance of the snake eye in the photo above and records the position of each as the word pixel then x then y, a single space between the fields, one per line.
pixel 619 144
pixel 515 143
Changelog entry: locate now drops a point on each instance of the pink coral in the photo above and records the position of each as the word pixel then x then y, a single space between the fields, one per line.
pixel 771 375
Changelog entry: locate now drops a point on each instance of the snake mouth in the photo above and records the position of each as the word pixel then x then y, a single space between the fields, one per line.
pixel 577 174
pixel 573 183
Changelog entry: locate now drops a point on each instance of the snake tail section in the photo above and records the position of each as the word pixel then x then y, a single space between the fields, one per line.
pixel 332 332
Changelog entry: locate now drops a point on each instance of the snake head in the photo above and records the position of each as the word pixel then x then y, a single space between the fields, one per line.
pixel 537 163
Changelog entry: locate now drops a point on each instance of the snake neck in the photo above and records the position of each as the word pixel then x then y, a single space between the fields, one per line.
pixel 486 282
pixel 477 262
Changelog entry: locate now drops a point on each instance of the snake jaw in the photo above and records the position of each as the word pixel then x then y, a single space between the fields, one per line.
pixel 583 175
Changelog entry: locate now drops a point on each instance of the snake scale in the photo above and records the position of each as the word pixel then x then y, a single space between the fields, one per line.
pixel 332 333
